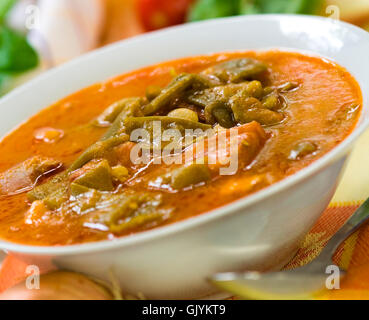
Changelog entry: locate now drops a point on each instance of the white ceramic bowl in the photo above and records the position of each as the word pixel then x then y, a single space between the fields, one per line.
pixel 259 232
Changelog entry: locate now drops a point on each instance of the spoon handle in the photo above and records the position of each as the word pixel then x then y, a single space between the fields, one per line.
pixel 359 217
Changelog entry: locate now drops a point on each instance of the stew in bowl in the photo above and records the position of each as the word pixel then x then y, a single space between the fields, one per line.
pixel 168 142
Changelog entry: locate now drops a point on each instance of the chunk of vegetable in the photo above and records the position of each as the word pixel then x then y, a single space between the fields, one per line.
pixel 172 91
pixel 219 112
pixel 129 105
pixel 302 149
pixel 189 175
pixel 97 175
pixel 115 136
pixel 208 156
pixel 176 88
pixel 254 89
pixel 237 70
pixel 77 189
pixel 152 92
pixel 223 93
pixel 126 211
pixel 100 149
pixel 136 222
pixel 166 123
pixel 120 173
pixel 250 109
pixel 184 113
pixel 271 102
pixel 133 108
pixel 58 182
pixel 55 199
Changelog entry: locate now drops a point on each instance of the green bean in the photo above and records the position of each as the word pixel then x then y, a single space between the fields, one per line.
pixel 100 149
pixel 267 90
pixel 237 70
pixel 112 112
pixel 189 175
pixel 165 121
pixel 113 137
pixel 132 109
pixel 223 117
pixel 219 112
pixel 152 92
pixel 254 89
pixel 173 90
pixel 251 109
pixel 271 102
pixel 204 97
pixel 202 81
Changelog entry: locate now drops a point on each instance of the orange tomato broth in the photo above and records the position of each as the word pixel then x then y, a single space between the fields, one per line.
pixel 324 88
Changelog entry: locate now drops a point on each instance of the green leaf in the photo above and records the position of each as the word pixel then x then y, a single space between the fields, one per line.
pixel 209 9
pixel 280 6
pixel 5 6
pixel 4 82
pixel 16 54
pixel 3 77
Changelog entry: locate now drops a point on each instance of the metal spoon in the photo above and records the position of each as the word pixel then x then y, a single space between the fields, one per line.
pixel 299 283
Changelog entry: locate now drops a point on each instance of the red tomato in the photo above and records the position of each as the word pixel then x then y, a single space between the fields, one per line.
pixel 156 14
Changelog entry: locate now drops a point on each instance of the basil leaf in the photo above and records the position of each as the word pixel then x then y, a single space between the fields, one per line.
pixel 280 6
pixel 209 9
pixel 15 52
pixel 5 6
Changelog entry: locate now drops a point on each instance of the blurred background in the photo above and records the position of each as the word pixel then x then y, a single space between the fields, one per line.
pixel 36 35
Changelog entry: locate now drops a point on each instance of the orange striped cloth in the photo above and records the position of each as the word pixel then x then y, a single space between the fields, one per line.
pixel 352 256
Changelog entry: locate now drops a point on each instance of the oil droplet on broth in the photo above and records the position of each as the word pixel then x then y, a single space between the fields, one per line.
pixel 48 134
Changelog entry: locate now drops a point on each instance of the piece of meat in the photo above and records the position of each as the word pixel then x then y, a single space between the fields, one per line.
pixel 24 175
pixel 236 146
pixel 123 153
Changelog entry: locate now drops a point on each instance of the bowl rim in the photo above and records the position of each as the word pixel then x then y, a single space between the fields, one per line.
pixel 206 217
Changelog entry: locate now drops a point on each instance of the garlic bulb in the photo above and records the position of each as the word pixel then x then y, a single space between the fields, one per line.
pixel 16 19
pixel 64 29
pixel 59 285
